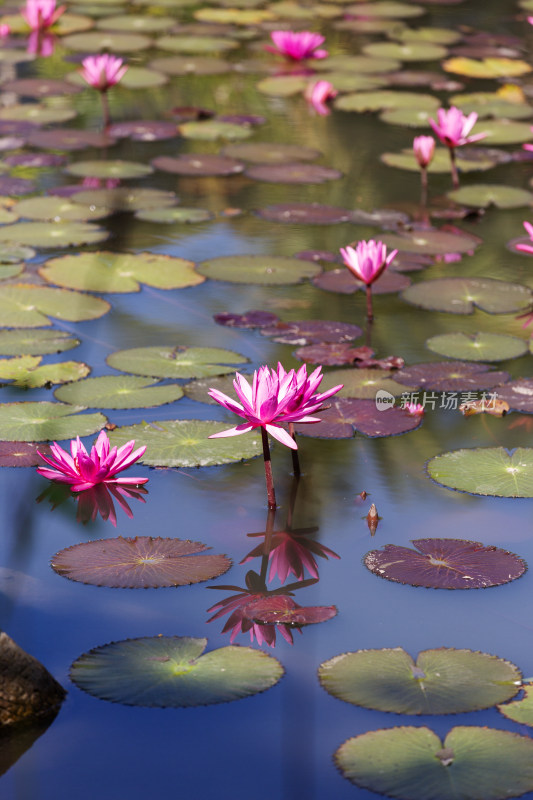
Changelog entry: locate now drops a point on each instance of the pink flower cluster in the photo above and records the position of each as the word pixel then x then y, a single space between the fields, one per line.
pixel 297 46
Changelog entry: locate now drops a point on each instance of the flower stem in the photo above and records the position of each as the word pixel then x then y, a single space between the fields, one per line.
pixel 369 311
pixel 455 174
pixel 271 494
pixel 105 110
pixel 294 453
pixel 423 187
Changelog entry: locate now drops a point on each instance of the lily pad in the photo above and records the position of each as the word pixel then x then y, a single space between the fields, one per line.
pixel 483 195
pixel 16 186
pixel 27 306
pixel 487 67
pixel 311 331
pixel 143 131
pixel 58 234
pixel 362 383
pixel 283 85
pixel 414 764
pixel 185 443
pixel 39 87
pixel 118 391
pixel 126 199
pixel 120 272
pixel 176 362
pixel 57 209
pixel 450 376
pixel 164 671
pixel 69 139
pixel 440 163
pixel 142 78
pixel 503 131
pixel 46 421
pixel 446 564
pixel 248 321
pixel 34 160
pixel 263 270
pixel 292 173
pixel 22 454
pixel 201 164
pixel 144 562
pixel 434 35
pixel 211 129
pixel 305 214
pixel 477 346
pixel 441 681
pixel 518 394
pixel 491 104
pixel 25 371
pixel 270 152
pixel 345 416
pixel 199 388
pixel 11 254
pixel 462 295
pixel 430 242
pixel 196 44
pixel 96 41
pixel 179 215
pixel 408 51
pixel 136 23
pixel 191 65
pixel 109 169
pixel 385 99
pixel 342 281
pixel 491 471
pixel 36 114
pixel 10 271
pixel 521 710
pixel 234 16
pixel 386 8
pixel 34 342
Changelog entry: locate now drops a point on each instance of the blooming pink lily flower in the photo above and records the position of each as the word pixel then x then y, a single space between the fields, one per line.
pixel 5 30
pixel 84 470
pixel 297 46
pixel 368 261
pixel 103 71
pixel 527 248
pixel 453 127
pixel 275 396
pixel 242 619
pixel 318 94
pixel 424 148
pixel 415 409
pixel 41 14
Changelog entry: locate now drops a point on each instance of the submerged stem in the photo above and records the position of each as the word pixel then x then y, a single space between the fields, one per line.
pixel 455 174
pixel 271 494
pixel 294 453
pixel 105 110
pixel 423 186
pixel 369 311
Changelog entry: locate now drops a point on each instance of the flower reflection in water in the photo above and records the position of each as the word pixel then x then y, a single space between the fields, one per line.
pixel 99 500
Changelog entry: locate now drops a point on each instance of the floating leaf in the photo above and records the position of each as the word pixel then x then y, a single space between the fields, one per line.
pixel 462 295
pixel 441 681
pixel 270 152
pixel 409 51
pixel 58 209
pixel 198 164
pixel 362 383
pixel 118 391
pixel 305 214
pixel 283 85
pixel 333 354
pixel 387 8
pixel 35 342
pixel 311 331
pixel 477 346
pixel 504 131
pixel 143 131
pixel 140 563
pixel 263 270
pixel 292 173
pixel 111 42
pixel 11 254
pixel 15 186
pixel 483 195
pixel 234 16
pixel 25 372
pixel 126 199
pixel 344 282
pixel 282 610
pixel 346 416
pixel 491 471
pixel 109 169
pixel 362 65
pixel 39 87
pixel 519 395
pixel 135 23
pixel 59 234
pixel 450 376
pixel 22 454
pixel 198 389
pixel 439 164
pixel 414 764
pixel 36 114
pixel 446 564
pixel 487 67
pixel 491 104
pixel 211 129
pixel 45 421
pixel 120 272
pixel 176 362
pixel 185 443
pixel 34 160
pixel 520 711
pixel 191 65
pixel 430 242
pixel 386 98
pixel 248 320
pixel 26 306
pixel 196 44
pixel 180 215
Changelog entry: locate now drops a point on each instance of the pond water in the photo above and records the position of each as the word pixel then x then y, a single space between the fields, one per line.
pixel 279 743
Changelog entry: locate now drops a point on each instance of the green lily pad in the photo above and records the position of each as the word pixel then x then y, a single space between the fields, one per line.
pixel 503 131
pixel 109 169
pixel 386 8
pixel 270 152
pixel 118 391
pixel 170 671
pixel 175 362
pixel 462 295
pixel 25 372
pixel 27 306
pixel 57 234
pixel 409 51
pixel 491 104
pixel 120 272
pixel 483 195
pixel 135 23
pixel 385 99
pixel 491 471
pixel 37 114
pixel 11 254
pixel 191 65
pixel 96 41
pixel 362 383
pixel 433 35
pixel 185 443
pixel 58 209
pixel 352 82
pixel 441 681
pixel 196 44
pixel 360 64
pixel 263 270
pixel 520 711
pixel 123 199
pixel 46 421
pixel 440 162
pixel 205 165
pixel 234 16
pixel 179 214
pixel 144 562
pixel 10 271
pixel 42 341
pixel 487 67
pixel 414 764
pixel 211 129
pixel 282 85
pixel 477 346
pixel 413 117
pixel 199 388
pixel 142 78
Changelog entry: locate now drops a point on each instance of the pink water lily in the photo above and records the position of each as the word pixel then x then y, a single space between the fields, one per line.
pixel 424 148
pixel 41 14
pixel 318 94
pixel 297 46
pixel 415 409
pixel 84 470
pixel 526 248
pixel 103 71
pixel 5 30
pixel 453 127
pixel 367 262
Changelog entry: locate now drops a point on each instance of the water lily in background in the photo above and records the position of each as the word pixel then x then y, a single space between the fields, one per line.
pixel 102 72
pixel 5 30
pixel 424 149
pixel 275 397
pixel 416 409
pixel 367 262
pixel 297 46
pixel 526 248
pixel 318 93
pixel 41 14
pixel 82 470
pixel 453 129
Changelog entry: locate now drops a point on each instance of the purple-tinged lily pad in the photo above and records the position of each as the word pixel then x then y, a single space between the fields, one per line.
pixel 430 242
pixel 140 563
pixel 342 281
pixel 292 173
pixel 363 383
pixel 305 214
pixel 332 354
pixel 35 160
pixel 22 454
pixel 451 376
pixel 39 87
pixel 346 416
pixel 462 295
pixel 446 564
pixel 311 331
pixel 143 130
pixel 248 320
pixel 283 610
pixel 270 152
pixel 519 395
pixel 69 139
pixel 264 270
pixel 201 164
pixel 16 186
